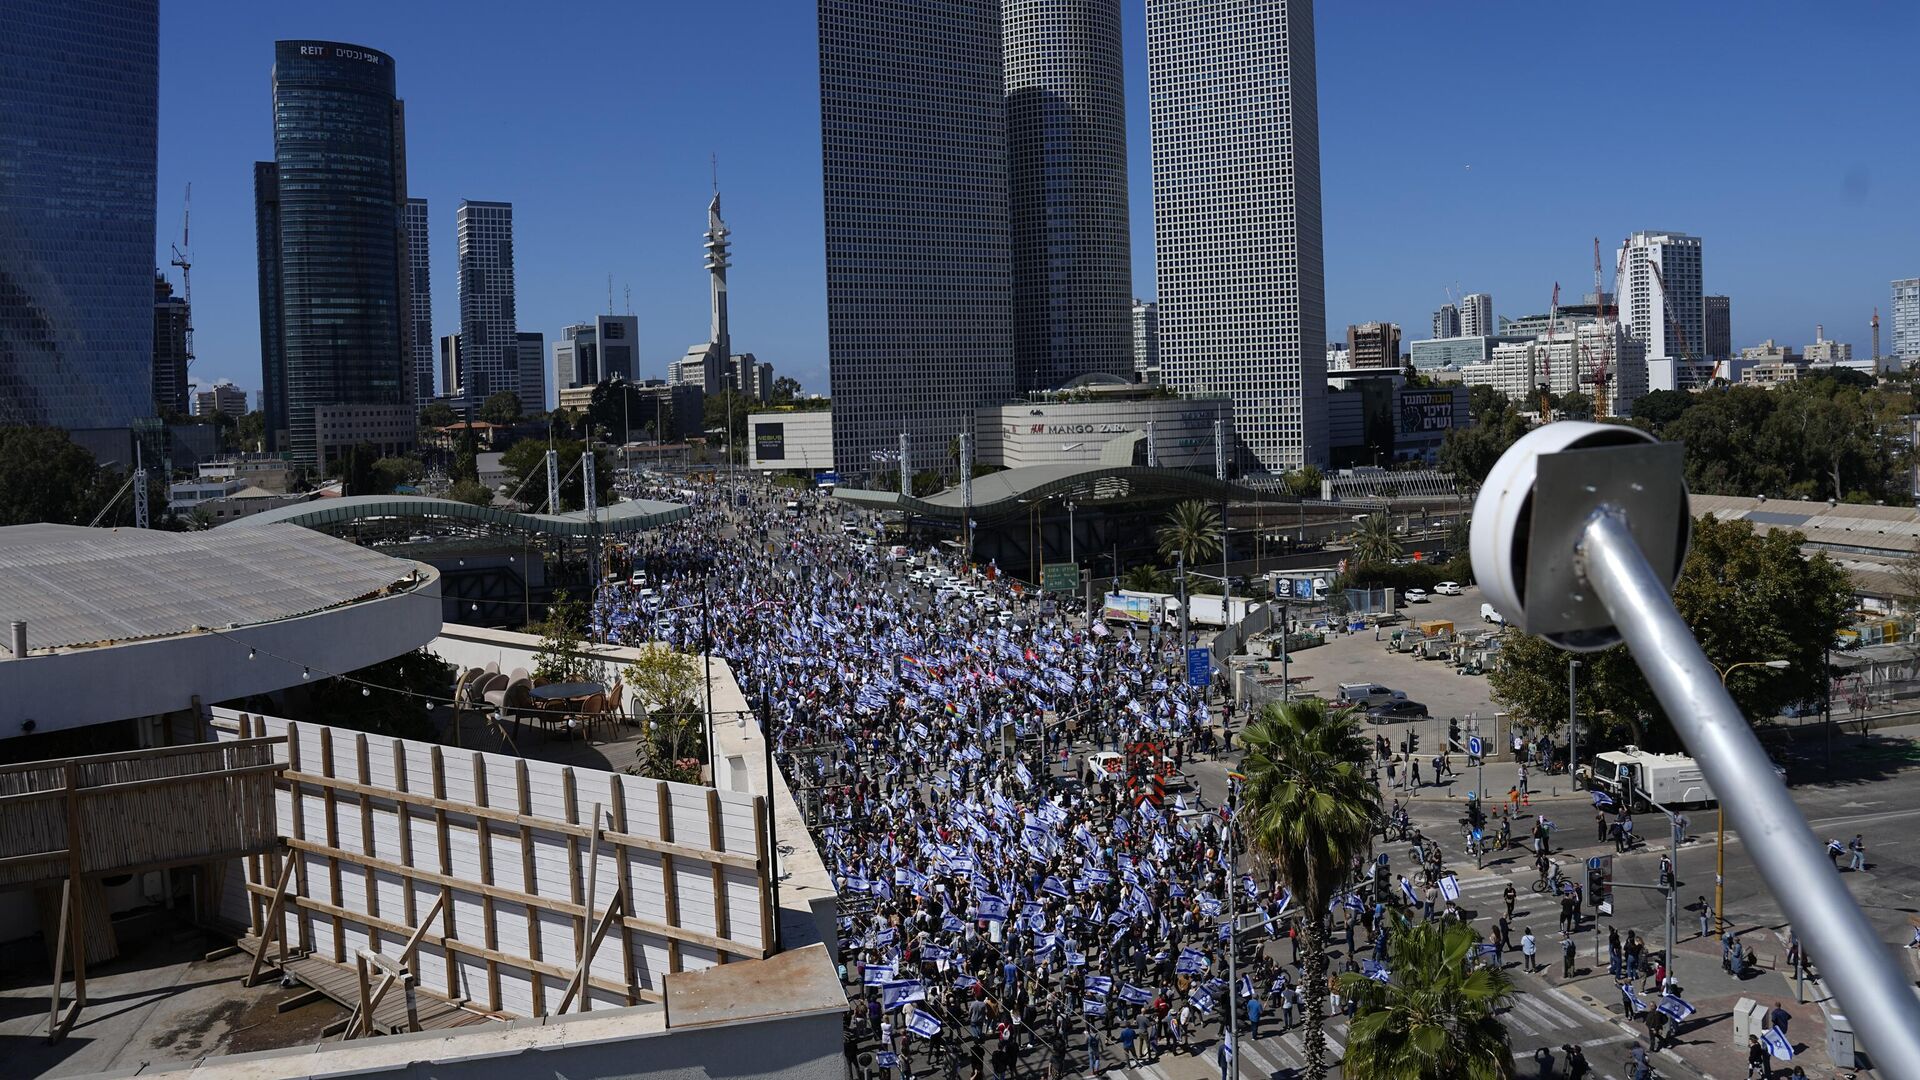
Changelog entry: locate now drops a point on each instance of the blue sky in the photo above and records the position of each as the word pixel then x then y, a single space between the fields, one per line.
pixel 1780 132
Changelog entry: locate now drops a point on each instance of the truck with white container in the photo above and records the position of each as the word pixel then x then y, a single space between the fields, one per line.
pixel 1637 778
pixel 1206 610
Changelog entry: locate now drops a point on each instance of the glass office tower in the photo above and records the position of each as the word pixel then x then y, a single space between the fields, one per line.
pixel 337 208
pixel 79 87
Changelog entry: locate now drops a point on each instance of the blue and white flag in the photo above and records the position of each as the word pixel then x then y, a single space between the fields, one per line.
pixel 990 908
pixel 886 1059
pixel 1100 984
pixel 924 1024
pixel 934 954
pixel 1246 986
pixel 1024 774
pixel 1633 997
pixel 1076 959
pixel 1601 799
pixel 895 994
pixel 1200 998
pixel 1450 888
pixel 1776 1043
pixel 1676 1009
pixel 1407 888
pixel 965 981
pixel 1093 1006
pixel 877 975
pixel 858 885
pixel 952 925
pixel 1286 900
pixel 1054 886
pixel 1210 907
pixel 1134 995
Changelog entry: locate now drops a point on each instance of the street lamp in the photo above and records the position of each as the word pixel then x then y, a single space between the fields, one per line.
pixel 1720 803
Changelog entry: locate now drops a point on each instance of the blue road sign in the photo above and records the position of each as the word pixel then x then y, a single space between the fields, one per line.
pixel 1199 667
pixel 1473 745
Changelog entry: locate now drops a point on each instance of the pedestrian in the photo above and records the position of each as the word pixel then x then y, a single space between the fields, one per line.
pixel 1613 953
pixel 1509 894
pixel 1529 950
pixel 1577 1067
pixel 1522 785
pixel 1600 826
pixel 1638 1067
pixel 1779 1017
pixel 1413 772
pixel 1428 899
pixel 1253 1017
pixel 1127 1037
pixel 1093 1050
pixel 1543 1060
pixel 1513 798
pixel 1656 1023
pixel 1857 854
pixel 1706 918
pixel 1757 1062
pixel 1567 950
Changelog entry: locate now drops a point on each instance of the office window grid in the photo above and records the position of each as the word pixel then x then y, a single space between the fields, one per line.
pixel 420 299
pixel 1236 178
pixel 489 347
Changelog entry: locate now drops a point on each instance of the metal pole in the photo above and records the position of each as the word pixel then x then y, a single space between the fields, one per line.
pixel 706 666
pixel 773 829
pixel 1233 930
pixel 1673 893
pixel 1573 720
pixel 1286 652
pixel 1871 989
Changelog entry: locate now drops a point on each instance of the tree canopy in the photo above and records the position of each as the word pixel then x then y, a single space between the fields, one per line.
pixel 526 468
pixel 1437 1017
pixel 1746 596
pixel 501 408
pixel 45 476
pixel 1192 530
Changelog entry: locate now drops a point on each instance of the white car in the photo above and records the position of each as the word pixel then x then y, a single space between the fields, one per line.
pixel 1487 614
pixel 1448 588
pixel 1416 596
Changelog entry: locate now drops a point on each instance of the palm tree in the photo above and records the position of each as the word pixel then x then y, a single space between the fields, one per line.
pixel 1143 578
pixel 1433 1020
pixel 1373 541
pixel 1192 530
pixel 1309 807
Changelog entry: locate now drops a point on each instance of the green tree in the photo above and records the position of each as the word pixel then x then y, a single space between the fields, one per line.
pixel 1144 578
pixel 1658 408
pixel 925 483
pixel 471 492
pixel 616 404
pixel 1304 482
pixel 561 655
pixel 1436 1018
pixel 1468 453
pixel 1574 405
pixel 785 390
pixel 1746 596
pixel 502 407
pixel 1308 806
pixel 438 414
pixel 1373 541
pixel 526 467
pixel 663 687
pixel 1484 401
pixel 392 473
pixel 250 431
pixel 46 476
pixel 355 470
pixel 1192 531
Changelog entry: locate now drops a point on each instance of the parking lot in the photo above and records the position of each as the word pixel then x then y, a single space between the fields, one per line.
pixel 1359 657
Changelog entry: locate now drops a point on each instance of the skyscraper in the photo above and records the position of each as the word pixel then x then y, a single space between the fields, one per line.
pixel 576 357
pixel 1146 341
pixel 1716 320
pixel 1236 206
pixel 79 89
pixel 1373 345
pixel 330 215
pixel 1906 319
pixel 1067 190
pixel 530 363
pixel 705 364
pixel 419 300
pixel 1658 276
pixel 1446 322
pixel 489 349
pixel 914 153
pixel 1476 315
pixel 170 321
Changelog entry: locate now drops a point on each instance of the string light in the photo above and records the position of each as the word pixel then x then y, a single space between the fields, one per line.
pixel 249 654
pixel 306 673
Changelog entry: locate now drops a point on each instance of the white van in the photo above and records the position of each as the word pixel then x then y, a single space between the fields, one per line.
pixel 1368 695
pixel 1487 614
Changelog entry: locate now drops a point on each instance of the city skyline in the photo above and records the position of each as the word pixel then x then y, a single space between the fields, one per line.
pixel 1832 242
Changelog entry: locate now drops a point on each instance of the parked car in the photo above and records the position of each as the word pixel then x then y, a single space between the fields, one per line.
pixel 1397 710
pixel 1487 614
pixel 1448 588
pixel 1416 596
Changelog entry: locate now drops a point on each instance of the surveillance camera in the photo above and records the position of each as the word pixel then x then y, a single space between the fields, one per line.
pixel 1531 512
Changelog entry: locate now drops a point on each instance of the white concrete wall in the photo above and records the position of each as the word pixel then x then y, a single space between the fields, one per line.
pixel 77 687
pixel 1051 433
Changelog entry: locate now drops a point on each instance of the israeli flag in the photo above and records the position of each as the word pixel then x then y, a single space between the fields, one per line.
pixel 1134 995
pixel 858 885
pixel 895 994
pixel 1286 899
pixel 1246 986
pixel 1191 962
pixel 1675 1008
pixel 877 975
pixel 924 1024
pixel 1450 888
pixel 1076 959
pixel 1226 1048
pixel 952 925
pixel 1200 998
pixel 886 1059
pixel 1094 1006
pixel 991 908
pixel 965 982
pixel 1100 984
pixel 1026 775
pixel 1633 997
pixel 1380 974
pixel 1210 907
pixel 1602 800
pixel 1054 886
pixel 1407 888
pixel 1776 1043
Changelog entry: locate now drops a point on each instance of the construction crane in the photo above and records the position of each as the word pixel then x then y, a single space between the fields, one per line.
pixel 1546 365
pixel 1603 364
pixel 183 258
pixel 1679 328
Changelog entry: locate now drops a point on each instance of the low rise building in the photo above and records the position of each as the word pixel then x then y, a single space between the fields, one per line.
pixel 1076 426
pixel 1565 365
pixel 392 430
pixel 222 397
pixel 1450 353
pixel 1374 419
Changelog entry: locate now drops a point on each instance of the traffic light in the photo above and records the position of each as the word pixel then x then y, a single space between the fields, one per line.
pixel 1476 814
pixel 1453 732
pixel 1413 742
